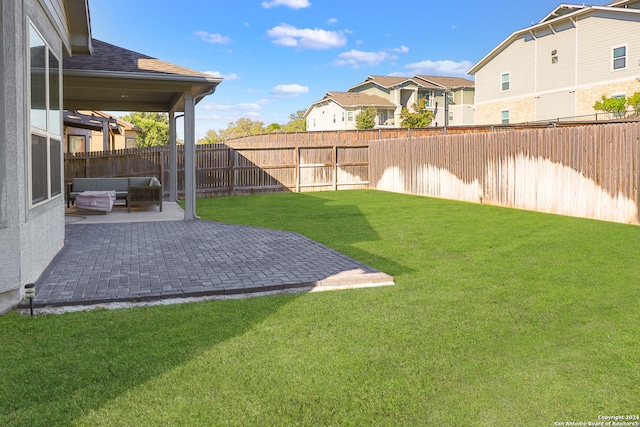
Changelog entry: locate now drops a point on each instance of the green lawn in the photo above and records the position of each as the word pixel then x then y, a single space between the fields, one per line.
pixel 498 317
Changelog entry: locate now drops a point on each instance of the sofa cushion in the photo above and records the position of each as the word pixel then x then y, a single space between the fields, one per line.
pixel 99 184
pixel 139 181
pixel 153 182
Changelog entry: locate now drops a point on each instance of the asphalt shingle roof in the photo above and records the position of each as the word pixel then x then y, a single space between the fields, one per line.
pixel 108 57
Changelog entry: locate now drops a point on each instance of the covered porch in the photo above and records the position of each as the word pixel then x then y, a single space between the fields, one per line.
pixel 117 79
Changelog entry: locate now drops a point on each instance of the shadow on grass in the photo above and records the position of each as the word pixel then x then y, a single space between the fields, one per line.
pixel 323 217
pixel 55 369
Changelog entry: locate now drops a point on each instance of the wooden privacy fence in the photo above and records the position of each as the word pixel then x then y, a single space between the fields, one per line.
pixel 222 170
pixel 587 171
pixel 590 171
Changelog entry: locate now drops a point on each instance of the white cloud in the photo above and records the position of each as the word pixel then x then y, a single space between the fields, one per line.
pixel 213 38
pixel 293 4
pixel 332 21
pixel 445 67
pixel 231 76
pixel 289 91
pixel 306 38
pixel 358 58
pixel 401 49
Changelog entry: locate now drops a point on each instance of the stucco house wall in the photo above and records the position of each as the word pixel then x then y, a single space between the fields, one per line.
pixel 30 236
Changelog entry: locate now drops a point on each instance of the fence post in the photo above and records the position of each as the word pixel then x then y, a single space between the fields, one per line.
pixel 232 175
pixel 297 160
pixel 335 167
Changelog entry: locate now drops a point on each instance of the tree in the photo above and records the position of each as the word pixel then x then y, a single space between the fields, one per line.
pixel 155 128
pixel 212 137
pixel 273 127
pixel 243 127
pixel 297 122
pixel 634 102
pixel 366 119
pixel 420 118
pixel 616 105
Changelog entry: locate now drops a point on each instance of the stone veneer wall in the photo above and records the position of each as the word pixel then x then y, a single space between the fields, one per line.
pixel 520 110
pixel 587 97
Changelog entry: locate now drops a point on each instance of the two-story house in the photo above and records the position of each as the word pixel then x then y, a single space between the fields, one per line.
pixel 559 67
pixel 451 100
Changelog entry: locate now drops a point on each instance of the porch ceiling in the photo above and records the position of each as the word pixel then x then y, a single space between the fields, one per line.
pixel 117 79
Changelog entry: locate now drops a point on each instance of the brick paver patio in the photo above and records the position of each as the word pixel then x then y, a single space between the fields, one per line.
pixel 148 261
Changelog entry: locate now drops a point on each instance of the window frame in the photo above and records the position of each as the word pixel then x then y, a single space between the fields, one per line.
pixel 503 120
pixel 508 82
pixel 624 57
pixel 50 184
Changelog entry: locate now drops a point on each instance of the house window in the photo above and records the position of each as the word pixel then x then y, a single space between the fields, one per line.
pixel 505 80
pixel 343 116
pixel 450 97
pixel 350 116
pixel 130 143
pixel 505 117
pixel 619 57
pixel 45 120
pixel 450 116
pixel 334 118
pixel 76 144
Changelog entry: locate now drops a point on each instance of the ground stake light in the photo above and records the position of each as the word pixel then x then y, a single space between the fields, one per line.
pixel 30 292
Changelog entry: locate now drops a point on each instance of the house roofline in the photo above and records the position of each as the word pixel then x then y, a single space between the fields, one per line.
pixel 79 26
pixel 142 76
pixel 371 79
pixel 528 30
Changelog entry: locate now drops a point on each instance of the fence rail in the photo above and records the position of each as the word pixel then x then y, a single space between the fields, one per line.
pixel 586 170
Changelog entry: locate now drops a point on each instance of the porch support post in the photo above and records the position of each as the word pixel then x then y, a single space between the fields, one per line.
pixel 189 158
pixel 173 158
pixel 105 135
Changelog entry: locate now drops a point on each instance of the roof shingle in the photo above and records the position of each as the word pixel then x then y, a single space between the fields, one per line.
pixel 108 57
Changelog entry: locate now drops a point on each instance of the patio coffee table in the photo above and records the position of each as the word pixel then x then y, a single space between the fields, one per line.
pixel 96 200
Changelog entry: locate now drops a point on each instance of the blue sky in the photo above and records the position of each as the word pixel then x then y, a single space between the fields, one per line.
pixel 279 56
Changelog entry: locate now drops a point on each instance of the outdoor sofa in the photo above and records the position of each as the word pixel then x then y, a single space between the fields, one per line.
pixel 134 190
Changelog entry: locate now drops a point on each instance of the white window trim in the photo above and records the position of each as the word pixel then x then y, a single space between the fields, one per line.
pixel 502 117
pixel 626 57
pixel 36 131
pixel 506 73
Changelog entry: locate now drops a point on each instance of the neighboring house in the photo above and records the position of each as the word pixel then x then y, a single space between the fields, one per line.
pixel 451 99
pixel 89 131
pixel 559 67
pixel 338 110
pixel 49 62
